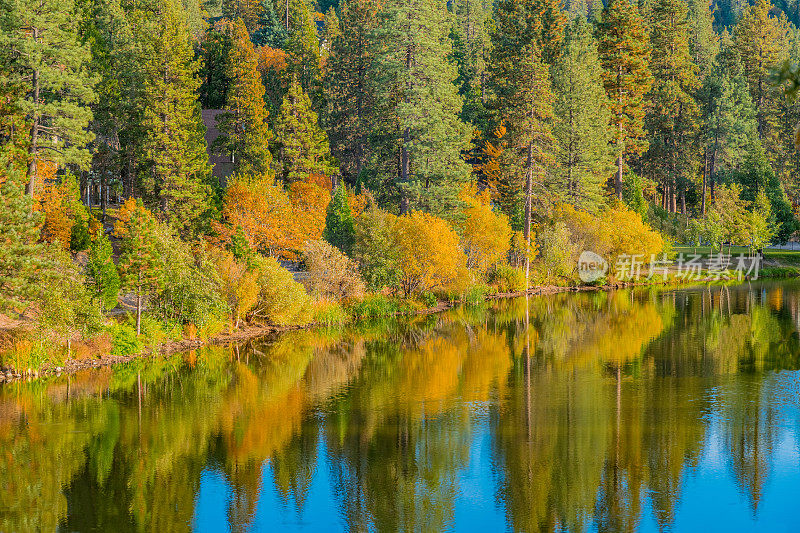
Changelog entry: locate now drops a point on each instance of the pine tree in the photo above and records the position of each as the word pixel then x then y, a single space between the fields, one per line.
pixel 596 12
pixel 419 135
pixel 46 61
pixel 339 228
pixel 243 127
pixel 624 47
pixel 139 266
pixel 581 119
pixel 672 112
pixel 20 251
pixel 517 24
pixel 102 276
pixel 175 144
pixel 302 48
pixel 270 31
pixel 303 146
pixel 248 10
pixel 214 72
pixel 762 42
pixel 331 31
pixel 703 41
pixel 347 92
pixel 529 120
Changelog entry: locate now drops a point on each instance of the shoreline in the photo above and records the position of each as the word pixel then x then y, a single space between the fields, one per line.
pixel 254 331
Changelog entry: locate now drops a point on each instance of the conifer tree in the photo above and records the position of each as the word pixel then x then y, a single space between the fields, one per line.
pixel 347 89
pixel 20 251
pixel 762 42
pixel 339 228
pixel 331 31
pixel 302 48
pixel 175 146
pixel 596 12
pixel 624 47
pixel 214 72
pixel 672 112
pixel 243 126
pixel 529 120
pixel 139 257
pixel 269 31
pixel 703 40
pixel 419 135
pixel 303 146
pixel 582 116
pixel 46 61
pixel 248 10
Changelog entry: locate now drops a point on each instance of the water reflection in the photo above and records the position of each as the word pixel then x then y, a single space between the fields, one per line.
pixel 600 411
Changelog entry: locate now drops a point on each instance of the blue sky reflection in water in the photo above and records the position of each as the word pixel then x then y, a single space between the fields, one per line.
pixel 646 410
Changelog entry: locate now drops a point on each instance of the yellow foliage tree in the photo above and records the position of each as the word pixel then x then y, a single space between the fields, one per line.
pixel 429 254
pixel 485 234
pixel 238 284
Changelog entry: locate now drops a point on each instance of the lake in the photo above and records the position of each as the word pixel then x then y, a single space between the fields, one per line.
pixel 644 410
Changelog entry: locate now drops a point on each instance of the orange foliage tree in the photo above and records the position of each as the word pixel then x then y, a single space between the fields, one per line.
pixel 59 201
pixel 274 221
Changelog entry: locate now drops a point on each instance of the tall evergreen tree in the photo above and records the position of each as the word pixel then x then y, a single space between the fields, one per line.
pixel 302 48
pixel 703 40
pixel 175 146
pixel 45 59
pixel 214 71
pixel 672 112
pixel 339 229
pixel 417 116
pixel 624 47
pixel 529 122
pixel 303 146
pixel 582 117
pixel 728 118
pixel 20 251
pixel 347 89
pixel 269 31
pixel 244 131
pixel 762 42
pixel 248 10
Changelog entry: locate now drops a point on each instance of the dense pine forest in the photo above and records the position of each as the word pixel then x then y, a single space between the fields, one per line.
pixel 195 166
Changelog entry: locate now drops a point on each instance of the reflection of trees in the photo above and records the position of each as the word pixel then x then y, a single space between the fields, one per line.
pixel 749 432
pixel 595 402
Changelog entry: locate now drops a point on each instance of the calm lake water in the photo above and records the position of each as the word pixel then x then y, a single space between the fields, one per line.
pixel 632 410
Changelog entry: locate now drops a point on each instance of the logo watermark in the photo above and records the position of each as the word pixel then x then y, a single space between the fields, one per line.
pixel 591 266
pixel 686 267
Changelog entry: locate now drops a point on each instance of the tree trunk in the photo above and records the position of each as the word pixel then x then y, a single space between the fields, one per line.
pixel 527 228
pixel 34 147
pixel 139 306
pixel 405 172
pixel 705 179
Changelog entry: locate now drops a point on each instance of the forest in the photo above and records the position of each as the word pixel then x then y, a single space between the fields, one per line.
pixel 176 168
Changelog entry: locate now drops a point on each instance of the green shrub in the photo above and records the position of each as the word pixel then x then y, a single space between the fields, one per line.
pixel 101 273
pixel 428 298
pixel 375 248
pixel 507 278
pixel 124 340
pixel 189 289
pixel 79 238
pixel 281 300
